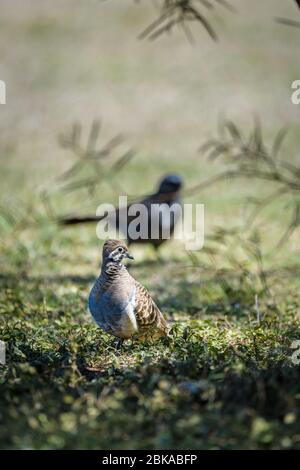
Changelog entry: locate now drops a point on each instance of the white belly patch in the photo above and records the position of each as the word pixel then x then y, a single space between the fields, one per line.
pixel 128 323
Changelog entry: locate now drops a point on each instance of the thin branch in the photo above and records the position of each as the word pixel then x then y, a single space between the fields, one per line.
pixel 180 13
pixel 288 22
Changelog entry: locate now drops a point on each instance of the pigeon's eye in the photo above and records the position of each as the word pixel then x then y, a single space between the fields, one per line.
pixel 120 249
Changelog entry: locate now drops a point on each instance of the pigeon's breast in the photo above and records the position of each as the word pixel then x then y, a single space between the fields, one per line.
pixel 114 314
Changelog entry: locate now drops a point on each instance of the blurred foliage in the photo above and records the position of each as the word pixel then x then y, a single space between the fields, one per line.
pixel 91 158
pixel 249 157
pixel 181 13
pixel 288 21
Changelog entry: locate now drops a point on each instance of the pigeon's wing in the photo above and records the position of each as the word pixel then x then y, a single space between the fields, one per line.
pixel 149 317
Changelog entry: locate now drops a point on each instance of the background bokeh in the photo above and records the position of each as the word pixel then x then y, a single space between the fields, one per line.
pixel 67 60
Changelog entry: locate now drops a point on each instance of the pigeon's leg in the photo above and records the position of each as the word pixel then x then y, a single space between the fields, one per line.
pixel 118 343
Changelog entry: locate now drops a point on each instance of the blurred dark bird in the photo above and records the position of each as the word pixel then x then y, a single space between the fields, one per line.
pixel 164 207
pixel 119 304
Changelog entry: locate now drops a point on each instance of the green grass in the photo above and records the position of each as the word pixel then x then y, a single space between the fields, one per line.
pixel 225 378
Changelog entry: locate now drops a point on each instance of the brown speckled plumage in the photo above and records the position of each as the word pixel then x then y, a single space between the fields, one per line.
pixel 120 304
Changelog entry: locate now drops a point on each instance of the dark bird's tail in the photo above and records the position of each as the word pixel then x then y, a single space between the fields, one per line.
pixel 76 220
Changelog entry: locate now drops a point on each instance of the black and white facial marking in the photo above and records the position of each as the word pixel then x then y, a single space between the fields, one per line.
pixel 118 254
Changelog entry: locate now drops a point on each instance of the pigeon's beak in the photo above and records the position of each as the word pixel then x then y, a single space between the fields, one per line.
pixel 128 255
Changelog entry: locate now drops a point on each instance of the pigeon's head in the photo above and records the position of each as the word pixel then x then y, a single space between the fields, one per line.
pixel 170 184
pixel 115 250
